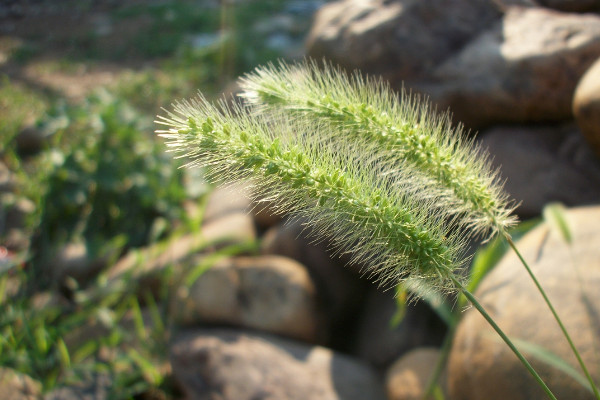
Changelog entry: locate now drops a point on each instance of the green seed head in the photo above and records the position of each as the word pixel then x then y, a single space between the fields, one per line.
pixel 382 215
pixel 406 130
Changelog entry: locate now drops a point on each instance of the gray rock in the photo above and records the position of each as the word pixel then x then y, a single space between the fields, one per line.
pixel 524 68
pixel 400 39
pixel 408 377
pixel 544 164
pixel 232 365
pixel 586 106
pixel 268 293
pixel 17 386
pixel 482 367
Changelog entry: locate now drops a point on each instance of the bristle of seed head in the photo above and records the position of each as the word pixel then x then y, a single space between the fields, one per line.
pixel 347 192
pixel 404 127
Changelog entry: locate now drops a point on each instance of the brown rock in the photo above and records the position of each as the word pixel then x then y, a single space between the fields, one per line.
pixel 146 265
pixel 524 68
pixel 544 164
pixel 231 365
pixel 268 293
pixel 586 106
pixel 482 367
pixel 17 386
pixel 408 377
pixel 73 261
pixel 400 39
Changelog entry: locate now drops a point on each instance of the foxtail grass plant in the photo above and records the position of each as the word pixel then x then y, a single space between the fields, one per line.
pixel 387 182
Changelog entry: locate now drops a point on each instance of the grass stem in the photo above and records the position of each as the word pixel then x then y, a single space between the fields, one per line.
pixel 501 333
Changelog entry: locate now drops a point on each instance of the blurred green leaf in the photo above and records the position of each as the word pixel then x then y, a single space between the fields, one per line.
pixel 556 217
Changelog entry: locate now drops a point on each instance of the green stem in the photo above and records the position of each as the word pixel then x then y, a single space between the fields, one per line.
pixel 556 317
pixel 442 358
pixel 510 344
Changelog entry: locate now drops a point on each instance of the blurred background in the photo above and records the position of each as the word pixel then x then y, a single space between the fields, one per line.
pixel 125 276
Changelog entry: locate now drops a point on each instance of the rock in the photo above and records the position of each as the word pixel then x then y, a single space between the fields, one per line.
pixel 265 214
pixel 30 140
pixel 7 180
pixel 408 377
pixel 482 367
pixel 17 211
pixel 232 365
pixel 267 293
pixel 523 69
pixel 17 386
pixel 228 199
pixel 74 261
pixel 147 265
pixel 230 229
pixel 380 343
pixel 400 39
pixel 340 290
pixel 544 164
pixel 235 199
pixel 571 5
pixel 586 106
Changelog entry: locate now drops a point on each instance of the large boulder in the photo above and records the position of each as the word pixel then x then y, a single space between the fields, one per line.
pixel 481 366
pixel 524 68
pixel 485 61
pixel 233 365
pixel 400 39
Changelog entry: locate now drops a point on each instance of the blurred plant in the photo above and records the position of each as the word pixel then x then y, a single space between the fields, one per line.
pixel 107 179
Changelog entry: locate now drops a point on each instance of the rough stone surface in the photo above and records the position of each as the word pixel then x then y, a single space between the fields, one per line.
pixel 408 377
pixel 586 106
pixel 396 39
pixel 232 365
pixel 486 61
pixel 544 164
pixel 482 367
pixel 340 290
pixel 380 343
pixel 17 386
pixel 267 293
pixel 524 68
